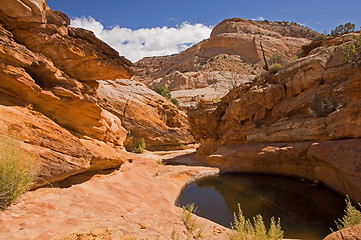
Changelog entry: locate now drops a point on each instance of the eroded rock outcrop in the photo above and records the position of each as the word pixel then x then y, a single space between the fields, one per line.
pixel 231 56
pixel 288 123
pixel 145 114
pixel 51 76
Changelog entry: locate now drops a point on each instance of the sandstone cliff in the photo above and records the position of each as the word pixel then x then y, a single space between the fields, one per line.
pixel 54 91
pixel 231 56
pixel 302 121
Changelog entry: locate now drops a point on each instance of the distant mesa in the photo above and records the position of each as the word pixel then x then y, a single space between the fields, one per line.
pixel 232 55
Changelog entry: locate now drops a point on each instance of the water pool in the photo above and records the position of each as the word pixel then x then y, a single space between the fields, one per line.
pixel 306 210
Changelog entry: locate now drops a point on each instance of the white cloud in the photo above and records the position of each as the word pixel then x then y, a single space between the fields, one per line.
pixel 258 19
pixel 146 42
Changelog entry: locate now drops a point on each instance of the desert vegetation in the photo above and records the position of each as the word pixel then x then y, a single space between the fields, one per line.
pixel 351 218
pixel 17 171
pixel 164 92
pixel 341 29
pixel 352 52
pixel 276 62
pixel 243 229
pixel 141 146
pixel 190 222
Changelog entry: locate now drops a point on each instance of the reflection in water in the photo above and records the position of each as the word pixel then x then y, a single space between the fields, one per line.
pixel 306 211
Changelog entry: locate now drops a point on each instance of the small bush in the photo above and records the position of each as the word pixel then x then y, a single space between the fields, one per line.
pixel 352 52
pixel 17 171
pixel 319 37
pixel 351 218
pixel 274 68
pixel 243 229
pixel 175 101
pixel 182 146
pixel 190 222
pixel 160 162
pixel 187 218
pixel 141 146
pixel 162 90
pixel 280 59
pixel 298 55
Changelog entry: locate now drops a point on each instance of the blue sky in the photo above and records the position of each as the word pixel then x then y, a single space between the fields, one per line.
pixel 320 15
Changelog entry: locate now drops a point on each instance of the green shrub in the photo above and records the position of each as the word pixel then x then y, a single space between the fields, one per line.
pixel 243 229
pixel 352 52
pixel 141 146
pixel 319 37
pixel 175 101
pixel 160 162
pixel 351 218
pixel 274 68
pixel 280 59
pixel 341 29
pixel 17 171
pixel 298 55
pixel 182 146
pixel 190 221
pixel 162 90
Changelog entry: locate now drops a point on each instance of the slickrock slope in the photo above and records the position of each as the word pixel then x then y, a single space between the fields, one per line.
pixel 135 201
pixel 231 56
pixel 303 121
pixel 50 95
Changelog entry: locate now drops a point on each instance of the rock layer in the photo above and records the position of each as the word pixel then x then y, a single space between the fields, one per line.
pixel 334 163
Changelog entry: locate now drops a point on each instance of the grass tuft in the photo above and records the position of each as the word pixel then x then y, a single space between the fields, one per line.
pixel 243 229
pixel 17 171
pixel 351 218
pixel 190 221
pixel 141 146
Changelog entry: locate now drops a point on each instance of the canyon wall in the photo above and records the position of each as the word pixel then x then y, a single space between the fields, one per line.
pixel 303 121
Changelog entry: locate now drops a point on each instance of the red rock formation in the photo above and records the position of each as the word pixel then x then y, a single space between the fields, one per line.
pixel 49 97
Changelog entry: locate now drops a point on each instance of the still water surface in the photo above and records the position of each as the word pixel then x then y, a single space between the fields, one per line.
pixel 307 211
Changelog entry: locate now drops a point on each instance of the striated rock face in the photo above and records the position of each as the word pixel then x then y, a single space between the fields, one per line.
pixel 308 105
pixel 286 29
pixel 51 95
pixel 312 98
pixel 45 31
pixel 231 56
pixel 144 114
